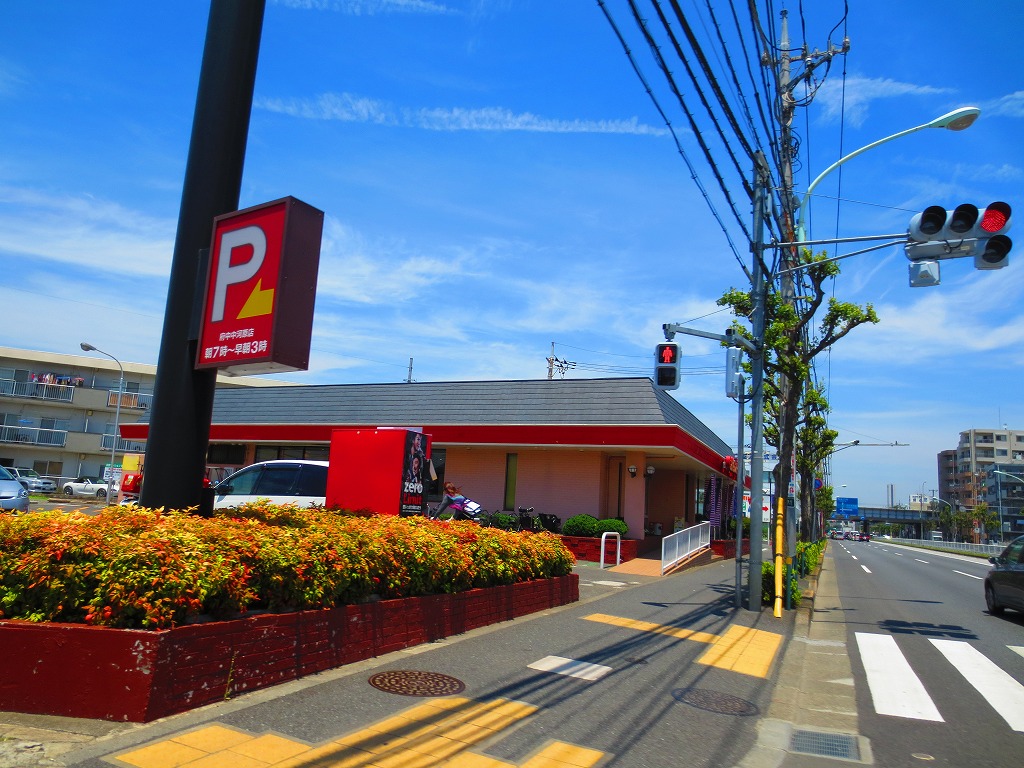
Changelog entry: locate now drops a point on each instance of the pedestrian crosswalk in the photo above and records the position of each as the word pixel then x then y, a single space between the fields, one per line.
pixel 897 690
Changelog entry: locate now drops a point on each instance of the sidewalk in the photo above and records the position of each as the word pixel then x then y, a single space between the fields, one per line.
pixel 810 720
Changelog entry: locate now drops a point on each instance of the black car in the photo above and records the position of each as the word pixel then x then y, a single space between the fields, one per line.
pixel 1004 584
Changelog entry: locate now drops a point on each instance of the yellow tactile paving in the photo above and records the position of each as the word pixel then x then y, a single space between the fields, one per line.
pixel 439 733
pixel 658 629
pixel 745 650
pixel 741 649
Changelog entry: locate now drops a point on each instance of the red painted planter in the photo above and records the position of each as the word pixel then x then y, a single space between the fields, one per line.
pixel 589 548
pixel 727 547
pixel 138 675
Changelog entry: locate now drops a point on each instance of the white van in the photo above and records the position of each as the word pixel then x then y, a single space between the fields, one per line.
pixel 297 481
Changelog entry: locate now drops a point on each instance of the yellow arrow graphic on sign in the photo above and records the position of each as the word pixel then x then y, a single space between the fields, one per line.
pixel 259 303
pixel 443 732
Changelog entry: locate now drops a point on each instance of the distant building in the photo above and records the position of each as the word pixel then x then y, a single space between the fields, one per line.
pixel 57 411
pixel 982 468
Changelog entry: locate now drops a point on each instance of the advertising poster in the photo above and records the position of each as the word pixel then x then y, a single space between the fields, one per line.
pixel 415 471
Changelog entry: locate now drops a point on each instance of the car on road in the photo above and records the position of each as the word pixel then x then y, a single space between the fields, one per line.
pixel 32 480
pixel 863 536
pixel 1004 584
pixel 13 495
pixel 282 481
pixel 88 486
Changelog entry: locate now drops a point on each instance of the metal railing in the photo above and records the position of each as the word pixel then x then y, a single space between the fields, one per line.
pixel 680 545
pixel 123 446
pixel 982 550
pixel 34 436
pixel 37 390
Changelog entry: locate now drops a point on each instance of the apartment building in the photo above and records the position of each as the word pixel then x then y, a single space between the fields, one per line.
pixel 987 466
pixel 57 411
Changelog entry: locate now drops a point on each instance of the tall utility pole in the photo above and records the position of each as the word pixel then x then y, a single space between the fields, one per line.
pixel 790 256
pixel 759 292
pixel 179 432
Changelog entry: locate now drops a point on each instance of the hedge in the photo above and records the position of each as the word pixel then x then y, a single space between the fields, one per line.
pixel 130 566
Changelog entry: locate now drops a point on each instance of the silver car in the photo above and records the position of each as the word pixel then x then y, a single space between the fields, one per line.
pixel 32 480
pixel 13 495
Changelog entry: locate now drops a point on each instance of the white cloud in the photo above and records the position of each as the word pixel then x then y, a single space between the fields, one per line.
pixel 1011 105
pixel 347 107
pixel 369 7
pixel 853 102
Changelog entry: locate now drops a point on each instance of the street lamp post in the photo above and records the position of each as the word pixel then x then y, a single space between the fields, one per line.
pixel 941 501
pixel 957 120
pixel 117 412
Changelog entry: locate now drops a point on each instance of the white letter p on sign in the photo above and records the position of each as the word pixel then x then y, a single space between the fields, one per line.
pixel 239 273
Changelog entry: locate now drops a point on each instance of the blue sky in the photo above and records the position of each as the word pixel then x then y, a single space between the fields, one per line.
pixel 495 178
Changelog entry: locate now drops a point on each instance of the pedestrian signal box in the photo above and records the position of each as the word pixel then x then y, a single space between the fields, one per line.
pixel 666 366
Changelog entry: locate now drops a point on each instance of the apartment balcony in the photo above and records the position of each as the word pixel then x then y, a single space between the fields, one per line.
pixel 34 436
pixel 74 392
pixel 61 393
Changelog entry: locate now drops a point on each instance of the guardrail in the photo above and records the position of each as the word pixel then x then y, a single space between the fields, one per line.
pixel 981 550
pixel 680 545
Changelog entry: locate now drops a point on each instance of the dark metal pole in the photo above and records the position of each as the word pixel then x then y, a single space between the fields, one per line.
pixel 179 431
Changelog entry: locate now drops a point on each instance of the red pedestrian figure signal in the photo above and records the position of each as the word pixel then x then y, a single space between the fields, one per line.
pixel 666 366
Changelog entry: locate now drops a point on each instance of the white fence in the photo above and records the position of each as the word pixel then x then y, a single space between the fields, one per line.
pixel 680 545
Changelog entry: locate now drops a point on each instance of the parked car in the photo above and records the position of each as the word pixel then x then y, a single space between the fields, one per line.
pixel 1004 584
pixel 32 480
pixel 299 481
pixel 13 495
pixel 88 486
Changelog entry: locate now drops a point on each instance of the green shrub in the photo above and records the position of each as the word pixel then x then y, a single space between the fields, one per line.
pixel 138 567
pixel 768 585
pixel 580 525
pixel 503 520
pixel 612 525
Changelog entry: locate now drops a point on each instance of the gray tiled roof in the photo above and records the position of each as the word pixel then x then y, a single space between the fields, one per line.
pixel 619 401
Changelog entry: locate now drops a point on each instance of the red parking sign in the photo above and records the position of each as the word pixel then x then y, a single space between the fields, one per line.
pixel 261 288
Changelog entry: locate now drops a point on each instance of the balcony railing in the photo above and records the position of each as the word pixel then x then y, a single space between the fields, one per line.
pixel 136 400
pixel 123 446
pixel 34 435
pixel 37 390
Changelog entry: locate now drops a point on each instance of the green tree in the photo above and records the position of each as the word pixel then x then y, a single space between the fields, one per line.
pixel 794 336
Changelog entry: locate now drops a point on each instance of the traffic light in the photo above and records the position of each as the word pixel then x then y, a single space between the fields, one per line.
pixel 936 233
pixel 666 365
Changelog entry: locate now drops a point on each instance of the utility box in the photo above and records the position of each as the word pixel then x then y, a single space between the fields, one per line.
pixel 381 470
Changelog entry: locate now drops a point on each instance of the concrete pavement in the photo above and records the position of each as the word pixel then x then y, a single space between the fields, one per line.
pixel 805 699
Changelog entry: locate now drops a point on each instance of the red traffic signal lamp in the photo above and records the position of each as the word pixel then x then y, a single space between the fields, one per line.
pixel 666 365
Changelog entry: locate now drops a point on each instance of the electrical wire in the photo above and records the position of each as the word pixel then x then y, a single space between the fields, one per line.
pixel 675 137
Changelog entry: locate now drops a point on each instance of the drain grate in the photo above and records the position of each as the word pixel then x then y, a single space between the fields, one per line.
pixel 839 745
pixel 406 682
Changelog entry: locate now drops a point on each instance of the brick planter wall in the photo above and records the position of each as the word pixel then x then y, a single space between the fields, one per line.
pixel 138 675
pixel 727 547
pixel 589 548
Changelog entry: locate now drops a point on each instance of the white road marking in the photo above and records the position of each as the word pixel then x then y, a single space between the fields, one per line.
pixel 979 578
pixel 853 556
pixel 1000 690
pixel 921 561
pixel 571 668
pixel 610 583
pixel 865 569
pixel 1017 649
pixel 898 554
pixel 895 689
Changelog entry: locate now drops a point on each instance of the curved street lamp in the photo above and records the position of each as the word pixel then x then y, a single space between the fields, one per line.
pixel 957 120
pixel 117 411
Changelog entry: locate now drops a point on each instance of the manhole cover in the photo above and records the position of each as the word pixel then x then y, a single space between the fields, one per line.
pixel 841 745
pixel 406 682
pixel 715 701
